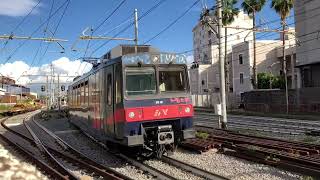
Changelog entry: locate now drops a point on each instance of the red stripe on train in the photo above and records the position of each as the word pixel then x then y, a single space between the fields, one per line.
pixel 158 112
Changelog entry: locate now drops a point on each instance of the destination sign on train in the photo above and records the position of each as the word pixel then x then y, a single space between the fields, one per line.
pixel 162 58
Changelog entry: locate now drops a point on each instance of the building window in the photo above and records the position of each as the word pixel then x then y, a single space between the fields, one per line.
pixel 240 59
pixel 241 78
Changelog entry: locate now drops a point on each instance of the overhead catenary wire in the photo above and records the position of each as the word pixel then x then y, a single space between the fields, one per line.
pixel 173 22
pixel 35 31
pixel 266 50
pixel 297 21
pixel 95 29
pixel 53 34
pixel 55 30
pixel 21 22
pixel 131 24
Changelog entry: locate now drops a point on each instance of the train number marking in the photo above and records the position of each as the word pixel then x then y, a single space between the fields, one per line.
pixel 160 112
pixel 159 102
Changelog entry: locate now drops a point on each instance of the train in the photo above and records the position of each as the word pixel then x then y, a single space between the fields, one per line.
pixel 135 97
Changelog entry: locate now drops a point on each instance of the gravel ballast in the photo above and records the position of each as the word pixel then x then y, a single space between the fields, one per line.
pixel 12 164
pixel 224 165
pixel 91 149
pixel 231 167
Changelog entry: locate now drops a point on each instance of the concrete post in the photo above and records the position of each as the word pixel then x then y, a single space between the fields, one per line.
pixel 222 68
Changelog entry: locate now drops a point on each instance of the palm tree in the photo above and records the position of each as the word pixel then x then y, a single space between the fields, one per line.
pixel 228 14
pixel 252 7
pixel 283 8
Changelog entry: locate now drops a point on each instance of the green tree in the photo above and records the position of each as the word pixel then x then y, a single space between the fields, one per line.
pixel 264 80
pixel 252 7
pixel 268 81
pixel 229 11
pixel 283 8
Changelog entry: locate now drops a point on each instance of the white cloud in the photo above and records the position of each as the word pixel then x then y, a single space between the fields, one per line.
pixel 17 7
pixel 62 66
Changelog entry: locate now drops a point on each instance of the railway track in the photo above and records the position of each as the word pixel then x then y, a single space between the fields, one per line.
pixel 30 153
pixel 294 156
pixel 167 160
pixel 60 156
pixel 273 125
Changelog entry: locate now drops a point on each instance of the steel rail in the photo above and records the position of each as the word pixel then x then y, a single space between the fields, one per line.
pixel 38 162
pixel 267 143
pixel 308 145
pixel 70 158
pixel 64 170
pixel 102 170
pixel 262 123
pixel 154 172
pixel 278 153
pixel 192 169
pixel 246 127
pixel 270 124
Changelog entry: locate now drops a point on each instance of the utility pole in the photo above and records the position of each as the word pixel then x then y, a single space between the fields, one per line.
pixel 58 92
pixel 90 37
pixel 47 98
pixel 222 68
pixel 136 30
pixel 285 66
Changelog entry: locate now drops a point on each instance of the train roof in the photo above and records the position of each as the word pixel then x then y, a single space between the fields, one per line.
pixel 139 58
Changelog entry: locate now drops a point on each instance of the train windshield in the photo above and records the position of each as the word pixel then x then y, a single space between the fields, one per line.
pixel 140 82
pixel 172 80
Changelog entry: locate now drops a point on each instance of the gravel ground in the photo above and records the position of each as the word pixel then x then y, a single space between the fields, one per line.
pixel 231 167
pixel 171 170
pixel 223 165
pixel 49 141
pixel 13 165
pixel 92 150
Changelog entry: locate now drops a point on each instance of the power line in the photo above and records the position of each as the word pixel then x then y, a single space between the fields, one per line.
pixel 131 24
pixel 36 30
pixel 21 22
pixel 262 35
pixel 94 30
pixel 173 22
pixel 109 16
pixel 53 34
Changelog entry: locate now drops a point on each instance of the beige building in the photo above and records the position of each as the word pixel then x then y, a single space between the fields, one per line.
pixel 205 45
pixel 307 18
pixel 269 59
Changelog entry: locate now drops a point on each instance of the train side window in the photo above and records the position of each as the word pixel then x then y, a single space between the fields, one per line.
pixel 109 93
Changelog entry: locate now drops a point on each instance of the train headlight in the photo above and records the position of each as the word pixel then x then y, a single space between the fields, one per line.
pixel 131 114
pixel 187 110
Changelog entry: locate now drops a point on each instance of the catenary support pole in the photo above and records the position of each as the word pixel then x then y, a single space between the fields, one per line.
pixel 59 92
pixel 136 29
pixel 47 94
pixel 222 68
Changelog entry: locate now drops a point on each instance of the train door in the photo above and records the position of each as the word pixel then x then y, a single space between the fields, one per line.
pixel 109 105
pixel 118 102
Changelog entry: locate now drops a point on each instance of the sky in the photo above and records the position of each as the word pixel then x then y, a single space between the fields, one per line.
pixel 81 14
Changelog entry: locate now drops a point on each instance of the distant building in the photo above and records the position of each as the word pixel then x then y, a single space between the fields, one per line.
pixel 205 46
pixel 11 91
pixel 269 58
pixel 307 18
